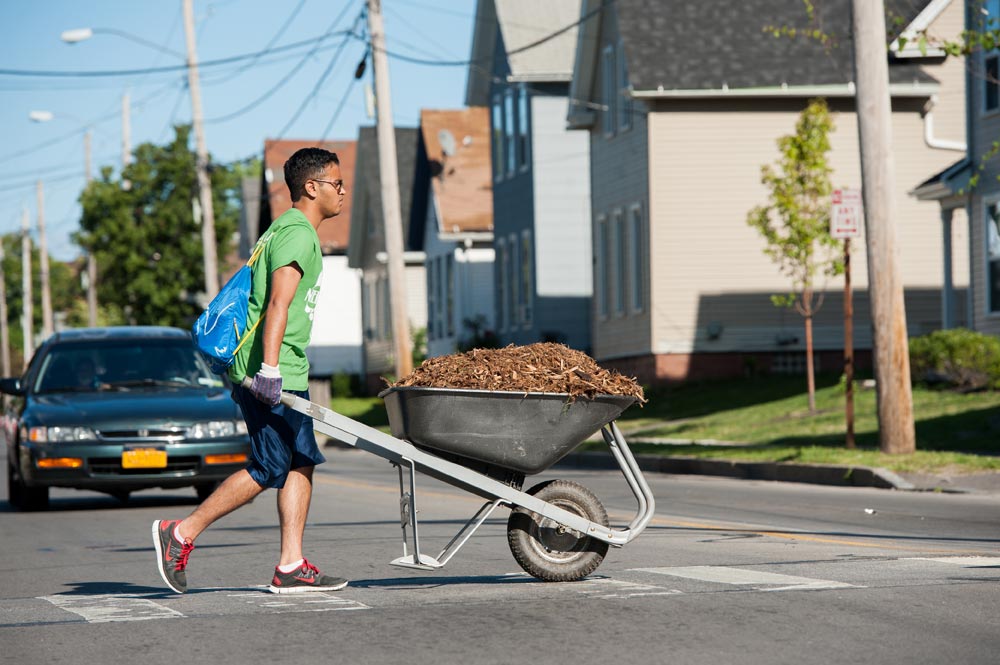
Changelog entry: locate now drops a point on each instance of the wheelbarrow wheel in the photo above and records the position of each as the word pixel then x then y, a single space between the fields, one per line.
pixel 550 551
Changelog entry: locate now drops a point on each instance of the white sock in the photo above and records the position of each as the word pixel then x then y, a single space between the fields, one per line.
pixel 177 533
pixel 289 567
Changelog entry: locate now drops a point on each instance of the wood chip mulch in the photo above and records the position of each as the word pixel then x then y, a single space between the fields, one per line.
pixel 542 367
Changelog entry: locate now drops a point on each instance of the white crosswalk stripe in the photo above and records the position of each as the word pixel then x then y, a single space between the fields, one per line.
pixel 756 579
pixel 106 608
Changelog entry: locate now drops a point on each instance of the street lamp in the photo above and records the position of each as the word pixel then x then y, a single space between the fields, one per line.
pixel 82 34
pixel 201 152
pixel 47 323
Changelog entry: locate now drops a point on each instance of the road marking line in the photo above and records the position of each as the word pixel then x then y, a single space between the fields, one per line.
pixel 107 608
pixel 662 521
pixel 791 535
pixel 967 561
pixel 742 577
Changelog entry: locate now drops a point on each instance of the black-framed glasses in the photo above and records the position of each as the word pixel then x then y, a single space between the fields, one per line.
pixel 337 184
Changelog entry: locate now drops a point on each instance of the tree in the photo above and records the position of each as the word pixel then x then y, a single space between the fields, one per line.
pixel 64 283
pixel 145 237
pixel 795 224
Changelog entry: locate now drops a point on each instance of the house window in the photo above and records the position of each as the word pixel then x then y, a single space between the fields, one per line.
pixel 991 60
pixel 527 287
pixel 432 304
pixel 624 109
pixel 993 252
pixel 510 131
pixel 637 253
pixel 522 126
pixel 991 84
pixel 502 284
pixel 513 280
pixel 498 160
pixel 608 89
pixel 382 308
pixel 601 251
pixel 619 254
pixel 366 310
pixel 449 295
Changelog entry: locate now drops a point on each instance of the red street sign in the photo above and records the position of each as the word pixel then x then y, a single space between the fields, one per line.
pixel 846 214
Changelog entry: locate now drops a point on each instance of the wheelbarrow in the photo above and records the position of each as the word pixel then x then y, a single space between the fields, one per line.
pixel 486 442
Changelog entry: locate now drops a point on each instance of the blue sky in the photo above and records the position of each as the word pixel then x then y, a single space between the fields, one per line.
pixel 53 151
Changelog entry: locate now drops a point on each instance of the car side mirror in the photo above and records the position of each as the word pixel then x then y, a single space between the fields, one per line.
pixel 11 386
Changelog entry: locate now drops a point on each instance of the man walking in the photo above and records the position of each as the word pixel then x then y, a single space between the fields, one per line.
pixel 285 286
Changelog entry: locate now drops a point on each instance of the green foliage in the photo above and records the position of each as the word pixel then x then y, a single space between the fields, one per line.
pixel 795 224
pixel 418 338
pixel 64 286
pixel 145 238
pixel 961 359
pixel 479 336
pixel 343 384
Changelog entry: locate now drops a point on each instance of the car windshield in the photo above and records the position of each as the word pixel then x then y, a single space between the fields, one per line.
pixel 122 365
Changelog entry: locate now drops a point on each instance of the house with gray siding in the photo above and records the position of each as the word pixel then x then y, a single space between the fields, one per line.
pixel 366 252
pixel 682 111
pixel 971 186
pixel 540 170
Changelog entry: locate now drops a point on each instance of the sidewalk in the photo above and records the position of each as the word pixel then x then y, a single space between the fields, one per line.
pixel 986 483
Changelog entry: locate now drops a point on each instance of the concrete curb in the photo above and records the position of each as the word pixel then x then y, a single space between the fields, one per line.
pixel 846 476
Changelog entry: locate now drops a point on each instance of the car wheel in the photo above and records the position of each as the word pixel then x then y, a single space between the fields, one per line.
pixel 23 497
pixel 205 490
pixel 14 488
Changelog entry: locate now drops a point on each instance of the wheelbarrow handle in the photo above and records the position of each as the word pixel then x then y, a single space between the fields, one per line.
pixel 286 399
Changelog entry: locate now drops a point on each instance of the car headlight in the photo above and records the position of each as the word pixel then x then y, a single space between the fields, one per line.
pixel 57 434
pixel 216 429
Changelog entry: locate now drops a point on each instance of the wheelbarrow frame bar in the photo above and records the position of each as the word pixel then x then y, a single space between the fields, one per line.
pixel 398 451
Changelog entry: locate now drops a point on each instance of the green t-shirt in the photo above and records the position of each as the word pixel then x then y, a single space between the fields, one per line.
pixel 291 239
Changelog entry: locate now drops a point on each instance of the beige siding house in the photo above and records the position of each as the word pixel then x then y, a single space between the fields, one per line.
pixel 683 110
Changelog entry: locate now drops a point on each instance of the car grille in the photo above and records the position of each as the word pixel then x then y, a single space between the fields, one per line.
pixel 113 466
pixel 164 434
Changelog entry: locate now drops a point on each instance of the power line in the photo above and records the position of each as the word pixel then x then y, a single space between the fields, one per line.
pixel 521 49
pixel 287 77
pixel 322 78
pixel 169 68
pixel 275 38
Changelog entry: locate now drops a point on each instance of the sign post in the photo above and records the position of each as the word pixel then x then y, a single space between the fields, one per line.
pixel 845 222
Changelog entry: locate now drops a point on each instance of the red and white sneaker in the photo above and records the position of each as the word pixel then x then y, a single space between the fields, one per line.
pixel 303 579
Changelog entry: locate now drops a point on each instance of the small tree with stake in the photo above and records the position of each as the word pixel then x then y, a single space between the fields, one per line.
pixel 795 223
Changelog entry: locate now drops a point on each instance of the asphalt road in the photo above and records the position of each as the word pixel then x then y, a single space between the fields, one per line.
pixel 728 571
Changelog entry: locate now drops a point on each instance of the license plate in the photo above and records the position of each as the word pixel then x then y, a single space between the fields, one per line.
pixel 144 458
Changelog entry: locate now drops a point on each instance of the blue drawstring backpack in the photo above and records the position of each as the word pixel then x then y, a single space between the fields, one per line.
pixel 221 330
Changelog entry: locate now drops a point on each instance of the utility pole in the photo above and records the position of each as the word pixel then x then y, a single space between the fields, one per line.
pixel 874 113
pixel 389 178
pixel 27 313
pixel 4 333
pixel 201 155
pixel 43 266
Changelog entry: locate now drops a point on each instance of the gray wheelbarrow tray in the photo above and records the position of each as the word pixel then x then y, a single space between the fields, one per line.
pixel 523 433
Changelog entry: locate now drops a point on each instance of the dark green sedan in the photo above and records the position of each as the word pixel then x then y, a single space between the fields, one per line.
pixel 118 410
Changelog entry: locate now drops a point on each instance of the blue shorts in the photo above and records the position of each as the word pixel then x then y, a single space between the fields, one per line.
pixel 281 439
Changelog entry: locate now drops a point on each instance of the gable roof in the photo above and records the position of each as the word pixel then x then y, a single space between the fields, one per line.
pixel 695 48
pixel 461 183
pixel 521 23
pixel 333 232
pixel 367 208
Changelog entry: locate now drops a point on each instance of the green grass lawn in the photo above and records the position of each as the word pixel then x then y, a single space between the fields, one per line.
pixel 767 419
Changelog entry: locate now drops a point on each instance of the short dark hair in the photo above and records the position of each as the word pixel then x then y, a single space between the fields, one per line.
pixel 306 164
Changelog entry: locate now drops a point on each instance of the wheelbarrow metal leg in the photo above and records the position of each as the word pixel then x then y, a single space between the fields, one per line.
pixel 408 515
